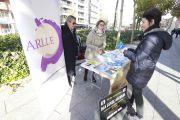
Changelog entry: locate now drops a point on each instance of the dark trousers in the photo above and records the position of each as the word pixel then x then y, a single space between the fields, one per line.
pixel 69 79
pixel 176 35
pixel 137 95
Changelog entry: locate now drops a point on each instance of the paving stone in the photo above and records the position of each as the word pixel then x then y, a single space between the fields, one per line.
pixel 105 89
pixel 15 101
pixel 165 92
pixel 166 110
pixel 34 107
pixel 83 91
pixel 88 108
pixel 3 109
pixel 21 113
pixel 4 94
pixel 72 115
pixel 148 109
pixel 68 103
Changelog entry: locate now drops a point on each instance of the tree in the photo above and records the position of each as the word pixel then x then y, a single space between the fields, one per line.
pixel 132 35
pixel 104 17
pixel 143 5
pixel 176 11
pixel 163 5
pixel 111 25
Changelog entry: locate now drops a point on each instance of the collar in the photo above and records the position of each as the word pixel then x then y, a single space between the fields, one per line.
pixel 154 30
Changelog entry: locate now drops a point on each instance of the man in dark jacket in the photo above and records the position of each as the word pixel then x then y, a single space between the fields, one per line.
pixel 70 46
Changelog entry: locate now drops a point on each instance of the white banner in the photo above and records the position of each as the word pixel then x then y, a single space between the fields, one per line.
pixel 38 23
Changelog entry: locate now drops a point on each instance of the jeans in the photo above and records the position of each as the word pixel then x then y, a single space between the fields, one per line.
pixel 137 95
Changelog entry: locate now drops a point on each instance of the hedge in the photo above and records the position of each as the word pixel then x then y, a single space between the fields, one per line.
pixel 111 37
pixel 13 64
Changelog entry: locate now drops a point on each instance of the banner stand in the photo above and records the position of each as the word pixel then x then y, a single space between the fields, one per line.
pixel 38 24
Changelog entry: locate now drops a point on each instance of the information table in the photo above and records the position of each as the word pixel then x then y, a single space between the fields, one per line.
pixel 112 65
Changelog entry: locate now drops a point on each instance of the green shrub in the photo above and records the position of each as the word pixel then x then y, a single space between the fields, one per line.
pixel 13 64
pixel 111 37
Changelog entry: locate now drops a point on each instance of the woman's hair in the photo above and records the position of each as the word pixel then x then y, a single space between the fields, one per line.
pixel 153 13
pixel 99 22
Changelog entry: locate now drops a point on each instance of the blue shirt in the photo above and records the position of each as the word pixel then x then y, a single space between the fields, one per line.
pixel 71 30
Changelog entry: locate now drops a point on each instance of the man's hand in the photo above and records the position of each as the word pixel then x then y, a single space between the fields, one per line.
pixel 76 57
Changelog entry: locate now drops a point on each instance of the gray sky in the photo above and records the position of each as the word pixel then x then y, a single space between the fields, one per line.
pixel 127 10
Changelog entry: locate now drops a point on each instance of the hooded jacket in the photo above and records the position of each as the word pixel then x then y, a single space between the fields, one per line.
pixel 146 55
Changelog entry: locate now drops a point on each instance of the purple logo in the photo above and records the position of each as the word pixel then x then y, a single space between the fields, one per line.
pixel 48 42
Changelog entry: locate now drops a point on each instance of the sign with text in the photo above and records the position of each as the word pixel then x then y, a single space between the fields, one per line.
pixel 112 104
pixel 38 23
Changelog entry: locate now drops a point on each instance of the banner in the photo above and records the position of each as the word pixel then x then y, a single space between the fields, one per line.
pixel 38 23
pixel 112 104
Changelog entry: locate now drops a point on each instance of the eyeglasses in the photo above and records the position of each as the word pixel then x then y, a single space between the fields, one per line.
pixel 74 23
pixel 101 25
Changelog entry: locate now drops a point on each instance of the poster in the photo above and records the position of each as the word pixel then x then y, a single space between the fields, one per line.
pixel 112 104
pixel 38 23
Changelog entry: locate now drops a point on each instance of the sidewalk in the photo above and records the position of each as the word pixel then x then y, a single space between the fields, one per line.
pixel 161 96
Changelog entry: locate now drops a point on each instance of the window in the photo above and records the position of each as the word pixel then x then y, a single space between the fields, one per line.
pixel 5 25
pixel 12 15
pixel 2 14
pixel 6 14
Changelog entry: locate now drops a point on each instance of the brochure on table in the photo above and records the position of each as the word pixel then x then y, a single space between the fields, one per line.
pixel 108 63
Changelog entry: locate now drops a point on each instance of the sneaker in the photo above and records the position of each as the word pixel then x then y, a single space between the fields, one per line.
pixel 137 118
pixel 134 117
pixel 130 117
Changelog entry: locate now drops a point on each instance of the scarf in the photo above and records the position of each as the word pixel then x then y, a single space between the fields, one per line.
pixel 99 32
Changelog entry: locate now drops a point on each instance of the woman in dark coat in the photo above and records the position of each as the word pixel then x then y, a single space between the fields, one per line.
pixel 145 56
pixel 70 46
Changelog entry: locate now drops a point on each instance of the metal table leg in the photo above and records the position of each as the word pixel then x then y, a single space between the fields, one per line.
pixel 91 85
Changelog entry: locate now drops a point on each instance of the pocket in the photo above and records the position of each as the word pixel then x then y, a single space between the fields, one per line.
pixel 148 64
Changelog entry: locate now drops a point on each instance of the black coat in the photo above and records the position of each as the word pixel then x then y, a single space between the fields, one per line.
pixel 145 57
pixel 178 32
pixel 70 49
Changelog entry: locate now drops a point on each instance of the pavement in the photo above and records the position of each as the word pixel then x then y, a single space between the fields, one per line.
pixel 161 96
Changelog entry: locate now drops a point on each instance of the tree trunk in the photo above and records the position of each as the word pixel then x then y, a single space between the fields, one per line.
pixel 132 35
pixel 120 23
pixel 115 13
pixel 137 22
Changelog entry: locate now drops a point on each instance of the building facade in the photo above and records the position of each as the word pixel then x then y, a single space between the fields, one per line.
pixel 80 9
pixel 77 8
pixel 7 23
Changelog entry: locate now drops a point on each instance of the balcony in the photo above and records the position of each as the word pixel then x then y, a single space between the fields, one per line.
pixel 63 21
pixel 65 11
pixel 80 21
pixel 81 15
pixel 82 9
pixel 82 2
pixel 66 4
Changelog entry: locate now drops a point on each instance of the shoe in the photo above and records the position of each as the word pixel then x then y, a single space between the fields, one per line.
pixel 134 117
pixel 72 83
